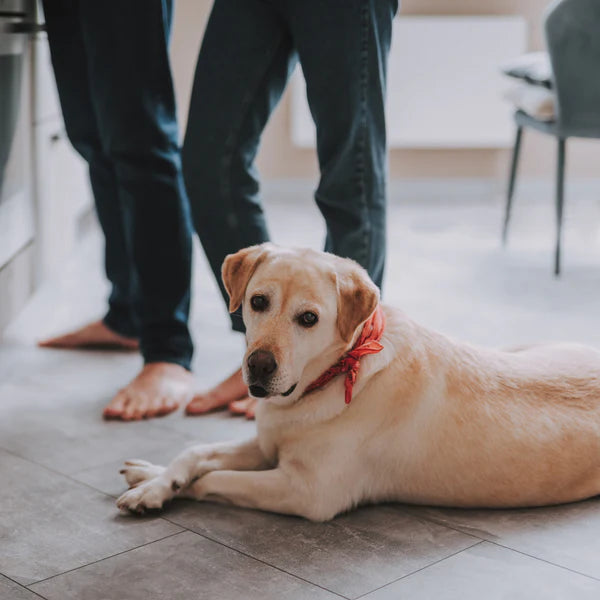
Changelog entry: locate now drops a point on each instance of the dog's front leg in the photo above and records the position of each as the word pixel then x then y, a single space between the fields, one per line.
pixel 190 465
pixel 275 490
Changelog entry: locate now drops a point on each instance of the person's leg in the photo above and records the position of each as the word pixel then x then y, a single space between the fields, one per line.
pixel 132 94
pixel 343 47
pixel 244 63
pixel 243 66
pixel 133 98
pixel 69 60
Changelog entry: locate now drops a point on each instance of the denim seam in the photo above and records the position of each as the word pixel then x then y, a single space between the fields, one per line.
pixel 231 143
pixel 365 250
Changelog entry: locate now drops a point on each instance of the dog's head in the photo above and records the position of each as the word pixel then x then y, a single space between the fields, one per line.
pixel 302 310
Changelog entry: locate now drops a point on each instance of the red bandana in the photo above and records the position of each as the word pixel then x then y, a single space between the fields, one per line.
pixel 367 343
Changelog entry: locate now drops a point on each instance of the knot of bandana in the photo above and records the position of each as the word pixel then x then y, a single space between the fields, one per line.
pixel 367 343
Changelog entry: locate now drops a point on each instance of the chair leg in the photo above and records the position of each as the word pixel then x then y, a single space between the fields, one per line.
pixel 560 190
pixel 511 182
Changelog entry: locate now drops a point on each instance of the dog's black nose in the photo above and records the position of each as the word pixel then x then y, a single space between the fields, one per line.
pixel 261 364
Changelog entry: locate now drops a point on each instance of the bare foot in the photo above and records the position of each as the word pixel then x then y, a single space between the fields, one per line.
pixel 221 396
pixel 93 336
pixel 158 390
pixel 246 406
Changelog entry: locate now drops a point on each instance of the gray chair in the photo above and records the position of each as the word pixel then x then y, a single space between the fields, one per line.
pixel 573 39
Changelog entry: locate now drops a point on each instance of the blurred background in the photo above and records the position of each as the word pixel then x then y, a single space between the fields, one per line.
pixel 452 66
pixel 450 131
pixel 463 83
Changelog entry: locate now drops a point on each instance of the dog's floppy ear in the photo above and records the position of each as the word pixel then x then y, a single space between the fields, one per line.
pixel 358 297
pixel 238 268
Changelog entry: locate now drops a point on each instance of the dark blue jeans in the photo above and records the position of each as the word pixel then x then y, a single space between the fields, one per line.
pixel 249 50
pixel 114 81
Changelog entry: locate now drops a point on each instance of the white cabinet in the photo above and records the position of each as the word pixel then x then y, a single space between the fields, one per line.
pixel 61 181
pixel 45 99
pixel 63 196
pixel 39 226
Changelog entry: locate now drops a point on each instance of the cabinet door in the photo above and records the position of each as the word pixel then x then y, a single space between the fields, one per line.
pixel 63 196
pixel 45 96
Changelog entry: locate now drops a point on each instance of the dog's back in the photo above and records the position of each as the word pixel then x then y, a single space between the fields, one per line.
pixel 465 426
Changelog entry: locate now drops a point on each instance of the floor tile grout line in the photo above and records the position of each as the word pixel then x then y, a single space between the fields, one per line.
pixel 56 472
pixel 184 528
pixel 544 560
pixel 103 559
pixel 399 508
pixel 30 460
pixel 171 535
pixel 441 524
pixel 113 497
pixel 420 569
pixel 110 462
pixel 23 586
pixel 187 530
pixel 50 470
pixel 69 477
pixel 457 529
pixel 264 562
pixel 407 512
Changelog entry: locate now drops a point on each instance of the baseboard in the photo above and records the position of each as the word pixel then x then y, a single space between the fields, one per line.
pixel 16 284
pixel 446 189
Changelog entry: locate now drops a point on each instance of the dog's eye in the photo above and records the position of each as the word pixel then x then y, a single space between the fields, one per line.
pixel 259 303
pixel 307 319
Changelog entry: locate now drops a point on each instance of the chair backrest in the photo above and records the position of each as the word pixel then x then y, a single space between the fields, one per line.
pixel 573 40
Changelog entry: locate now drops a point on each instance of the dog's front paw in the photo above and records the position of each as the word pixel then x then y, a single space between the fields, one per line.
pixel 137 471
pixel 148 495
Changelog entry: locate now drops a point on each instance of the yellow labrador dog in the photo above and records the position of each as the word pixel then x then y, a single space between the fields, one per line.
pixel 427 420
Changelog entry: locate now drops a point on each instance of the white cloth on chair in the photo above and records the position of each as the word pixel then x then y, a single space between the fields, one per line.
pixel 534 68
pixel 537 101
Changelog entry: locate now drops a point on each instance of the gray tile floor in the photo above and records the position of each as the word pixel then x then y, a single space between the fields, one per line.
pixel 61 536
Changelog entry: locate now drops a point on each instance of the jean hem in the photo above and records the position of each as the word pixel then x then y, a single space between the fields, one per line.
pixel 184 362
pixel 118 327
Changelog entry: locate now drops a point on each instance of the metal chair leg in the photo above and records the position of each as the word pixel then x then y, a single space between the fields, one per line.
pixel 560 187
pixel 511 182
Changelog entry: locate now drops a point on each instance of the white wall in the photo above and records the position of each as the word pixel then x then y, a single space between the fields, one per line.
pixel 279 158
